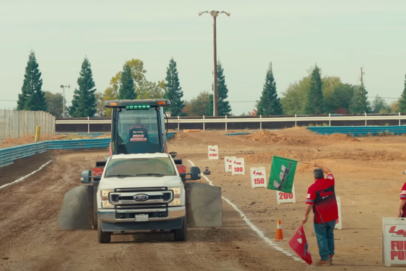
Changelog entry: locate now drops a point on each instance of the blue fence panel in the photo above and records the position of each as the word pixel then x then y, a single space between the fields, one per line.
pixel 9 155
pixel 358 130
pixel 237 134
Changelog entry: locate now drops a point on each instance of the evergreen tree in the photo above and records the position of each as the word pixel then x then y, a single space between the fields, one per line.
pixel 315 101
pixel 359 103
pixel 32 96
pixel 270 103
pixel 173 91
pixel 224 108
pixel 84 102
pixel 127 89
pixel 402 101
pixel 209 108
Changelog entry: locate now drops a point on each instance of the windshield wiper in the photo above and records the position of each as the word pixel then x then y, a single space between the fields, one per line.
pixel 121 176
pixel 150 174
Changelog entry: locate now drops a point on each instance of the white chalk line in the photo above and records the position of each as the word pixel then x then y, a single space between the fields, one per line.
pixel 26 176
pixel 253 227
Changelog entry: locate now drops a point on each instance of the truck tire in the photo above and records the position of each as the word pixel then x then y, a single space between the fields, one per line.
pixel 181 234
pixel 104 237
pixel 94 211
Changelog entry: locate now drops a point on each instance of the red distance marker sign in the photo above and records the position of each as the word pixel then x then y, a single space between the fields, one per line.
pixel 258 177
pixel 228 163
pixel 238 167
pixel 282 197
pixel 213 152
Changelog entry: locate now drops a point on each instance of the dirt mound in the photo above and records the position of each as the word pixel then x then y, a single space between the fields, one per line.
pixel 272 138
pixel 339 137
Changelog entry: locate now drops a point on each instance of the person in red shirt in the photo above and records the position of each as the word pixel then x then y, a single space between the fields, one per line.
pixel 321 198
pixel 402 205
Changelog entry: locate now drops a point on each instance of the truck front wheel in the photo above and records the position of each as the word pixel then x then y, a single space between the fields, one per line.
pixel 104 237
pixel 181 234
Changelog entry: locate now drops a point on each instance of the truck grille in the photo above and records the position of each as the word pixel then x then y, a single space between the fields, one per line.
pixel 155 206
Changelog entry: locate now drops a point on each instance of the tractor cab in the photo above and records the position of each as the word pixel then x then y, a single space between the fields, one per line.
pixel 137 126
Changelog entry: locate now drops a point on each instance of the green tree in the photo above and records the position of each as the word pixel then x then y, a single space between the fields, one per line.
pixel 200 103
pixel 173 91
pixel 54 103
pixel 126 90
pixel 294 99
pixel 379 105
pixel 269 103
pixel 209 108
pixel 315 101
pixel 100 109
pixel 32 96
pixel 402 102
pixel 343 95
pixel 84 101
pixel 359 102
pixel 224 108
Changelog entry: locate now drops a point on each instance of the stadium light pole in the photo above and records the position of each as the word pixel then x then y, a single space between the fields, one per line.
pixel 215 13
pixel 63 107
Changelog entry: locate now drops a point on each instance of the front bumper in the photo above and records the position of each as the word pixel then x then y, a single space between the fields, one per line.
pixel 109 216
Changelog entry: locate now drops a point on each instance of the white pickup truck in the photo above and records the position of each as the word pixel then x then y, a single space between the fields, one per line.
pixel 141 192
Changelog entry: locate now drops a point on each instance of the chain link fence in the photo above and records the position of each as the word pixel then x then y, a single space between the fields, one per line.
pixel 15 124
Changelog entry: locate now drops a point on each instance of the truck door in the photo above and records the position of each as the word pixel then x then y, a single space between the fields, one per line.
pixel 204 206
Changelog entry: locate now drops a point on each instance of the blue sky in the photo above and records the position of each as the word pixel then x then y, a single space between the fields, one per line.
pixel 340 36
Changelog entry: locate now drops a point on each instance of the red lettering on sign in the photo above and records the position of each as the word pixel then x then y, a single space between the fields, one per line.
pixel 238 169
pixel 393 254
pixel 237 163
pixel 230 166
pixel 257 173
pixel 398 245
pixel 259 181
pixel 399 232
pixel 213 149
pixel 213 154
pixel 283 195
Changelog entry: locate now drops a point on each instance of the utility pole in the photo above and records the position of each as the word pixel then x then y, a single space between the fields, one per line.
pixel 63 102
pixel 215 13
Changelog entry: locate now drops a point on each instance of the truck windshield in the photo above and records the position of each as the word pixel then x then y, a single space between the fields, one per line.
pixel 137 131
pixel 140 167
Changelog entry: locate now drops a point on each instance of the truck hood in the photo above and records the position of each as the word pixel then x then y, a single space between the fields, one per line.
pixel 131 182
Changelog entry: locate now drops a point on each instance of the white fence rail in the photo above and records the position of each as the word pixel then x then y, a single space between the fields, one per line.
pixel 15 124
pixel 260 119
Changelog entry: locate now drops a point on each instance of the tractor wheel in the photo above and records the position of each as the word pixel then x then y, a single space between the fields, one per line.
pixel 181 234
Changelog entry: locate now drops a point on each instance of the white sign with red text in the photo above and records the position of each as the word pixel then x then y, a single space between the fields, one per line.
pixel 228 163
pixel 258 177
pixel 394 241
pixel 238 166
pixel 282 197
pixel 339 222
pixel 213 152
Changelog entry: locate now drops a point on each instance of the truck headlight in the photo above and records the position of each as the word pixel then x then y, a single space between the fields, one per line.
pixel 175 202
pixel 177 191
pixel 107 204
pixel 104 195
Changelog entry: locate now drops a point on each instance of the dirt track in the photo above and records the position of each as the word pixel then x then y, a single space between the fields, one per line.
pixel 368 185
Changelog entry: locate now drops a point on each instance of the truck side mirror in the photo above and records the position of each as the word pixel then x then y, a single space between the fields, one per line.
pixel 195 173
pixel 85 176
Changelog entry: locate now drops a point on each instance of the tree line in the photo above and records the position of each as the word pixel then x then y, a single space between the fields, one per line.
pixel 313 94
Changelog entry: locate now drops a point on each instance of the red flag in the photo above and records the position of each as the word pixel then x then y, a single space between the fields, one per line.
pixel 299 244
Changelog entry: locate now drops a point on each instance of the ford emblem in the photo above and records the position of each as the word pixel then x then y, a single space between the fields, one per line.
pixel 141 197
